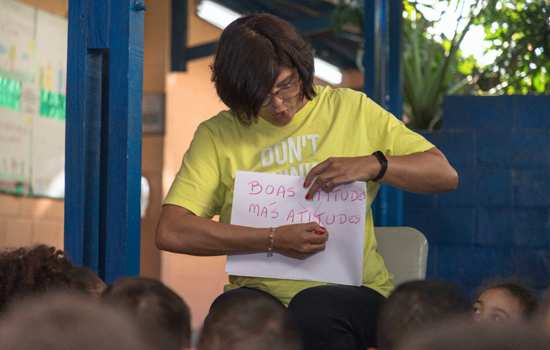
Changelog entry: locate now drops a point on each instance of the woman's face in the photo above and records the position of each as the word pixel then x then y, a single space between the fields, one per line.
pixel 285 99
pixel 497 304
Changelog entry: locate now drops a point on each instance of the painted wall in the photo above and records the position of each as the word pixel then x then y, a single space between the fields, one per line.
pixel 155 67
pixel 191 98
pixel 56 7
pixel 498 221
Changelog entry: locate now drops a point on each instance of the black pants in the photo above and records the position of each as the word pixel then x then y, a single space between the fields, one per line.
pixel 331 317
pixel 337 317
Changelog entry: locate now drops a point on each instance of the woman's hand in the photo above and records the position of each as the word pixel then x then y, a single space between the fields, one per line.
pixel 340 170
pixel 422 172
pixel 300 241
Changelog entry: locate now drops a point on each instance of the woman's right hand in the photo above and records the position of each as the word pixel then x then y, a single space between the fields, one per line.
pixel 300 241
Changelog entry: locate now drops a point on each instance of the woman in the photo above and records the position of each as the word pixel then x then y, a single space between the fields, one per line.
pixel 279 122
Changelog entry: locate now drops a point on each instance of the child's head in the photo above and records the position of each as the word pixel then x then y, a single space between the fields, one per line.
pixel 162 314
pixel 417 305
pixel 542 316
pixel 478 336
pixel 66 321
pixel 504 300
pixel 32 270
pixel 85 280
pixel 248 319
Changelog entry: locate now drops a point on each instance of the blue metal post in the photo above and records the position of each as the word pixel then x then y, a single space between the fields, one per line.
pixel 394 97
pixel 371 54
pixel 178 36
pixel 382 28
pixel 103 135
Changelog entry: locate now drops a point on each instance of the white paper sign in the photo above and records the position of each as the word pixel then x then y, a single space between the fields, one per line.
pixel 269 200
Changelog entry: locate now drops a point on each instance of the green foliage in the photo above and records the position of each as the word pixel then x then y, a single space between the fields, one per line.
pixel 432 65
pixel 349 15
pixel 519 31
pixel 430 72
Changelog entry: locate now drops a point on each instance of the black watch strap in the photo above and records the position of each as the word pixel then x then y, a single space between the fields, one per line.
pixel 383 165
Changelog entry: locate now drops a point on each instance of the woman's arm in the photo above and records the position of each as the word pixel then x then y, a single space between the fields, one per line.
pixel 422 172
pixel 181 231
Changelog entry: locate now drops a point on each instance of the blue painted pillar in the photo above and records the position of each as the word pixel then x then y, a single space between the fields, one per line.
pixel 103 135
pixel 383 83
pixel 178 35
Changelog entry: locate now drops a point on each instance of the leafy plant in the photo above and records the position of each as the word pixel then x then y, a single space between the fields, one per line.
pixel 519 32
pixel 432 64
pixel 433 68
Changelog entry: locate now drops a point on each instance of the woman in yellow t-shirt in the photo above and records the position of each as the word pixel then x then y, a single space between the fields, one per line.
pixel 279 122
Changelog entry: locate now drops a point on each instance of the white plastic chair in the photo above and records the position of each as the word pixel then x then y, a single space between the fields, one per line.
pixel 405 251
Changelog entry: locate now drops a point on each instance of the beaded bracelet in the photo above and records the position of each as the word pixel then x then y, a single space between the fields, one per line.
pixel 271 239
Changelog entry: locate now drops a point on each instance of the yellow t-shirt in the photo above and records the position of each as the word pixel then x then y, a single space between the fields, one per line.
pixel 336 123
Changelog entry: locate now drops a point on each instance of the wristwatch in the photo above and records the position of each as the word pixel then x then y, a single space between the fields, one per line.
pixel 383 165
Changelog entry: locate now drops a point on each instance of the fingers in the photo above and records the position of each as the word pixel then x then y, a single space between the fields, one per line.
pixel 340 180
pixel 315 171
pixel 315 233
pixel 302 240
pixel 300 256
pixel 312 248
pixel 318 238
pixel 315 240
pixel 322 182
pixel 315 187
pixel 316 248
pixel 307 251
pixel 333 172
pixel 312 227
pixel 326 182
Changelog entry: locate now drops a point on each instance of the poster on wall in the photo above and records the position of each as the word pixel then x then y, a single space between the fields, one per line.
pixel 33 60
pixel 48 135
pixel 18 97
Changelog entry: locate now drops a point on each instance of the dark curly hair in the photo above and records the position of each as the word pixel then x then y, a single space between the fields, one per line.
pixel 32 270
pixel 250 54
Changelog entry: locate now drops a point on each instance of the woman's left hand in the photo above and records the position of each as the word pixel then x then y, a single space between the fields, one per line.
pixel 336 171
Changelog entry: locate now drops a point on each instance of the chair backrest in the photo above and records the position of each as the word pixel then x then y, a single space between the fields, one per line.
pixel 405 251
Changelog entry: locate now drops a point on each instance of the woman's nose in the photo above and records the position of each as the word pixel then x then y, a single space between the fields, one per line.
pixel 276 101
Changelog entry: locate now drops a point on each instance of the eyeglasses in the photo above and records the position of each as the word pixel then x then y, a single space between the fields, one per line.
pixel 286 92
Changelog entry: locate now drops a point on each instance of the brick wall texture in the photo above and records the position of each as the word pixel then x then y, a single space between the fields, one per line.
pixel 497 223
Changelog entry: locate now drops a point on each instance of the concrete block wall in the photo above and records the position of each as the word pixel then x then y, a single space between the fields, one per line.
pixel 25 221
pixel 497 223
